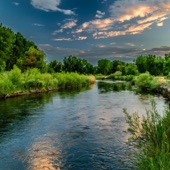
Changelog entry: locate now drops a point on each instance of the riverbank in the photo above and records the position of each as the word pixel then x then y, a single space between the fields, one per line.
pixel 143 83
pixel 14 83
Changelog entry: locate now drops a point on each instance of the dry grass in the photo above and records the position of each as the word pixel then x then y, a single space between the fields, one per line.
pixel 92 79
pixel 161 80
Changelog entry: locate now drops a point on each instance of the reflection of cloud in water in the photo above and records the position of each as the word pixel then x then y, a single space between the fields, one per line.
pixel 43 155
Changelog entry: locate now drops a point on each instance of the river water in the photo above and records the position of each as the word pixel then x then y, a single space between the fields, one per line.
pixel 71 130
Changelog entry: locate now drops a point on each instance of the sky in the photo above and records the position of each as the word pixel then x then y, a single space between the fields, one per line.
pixel 91 29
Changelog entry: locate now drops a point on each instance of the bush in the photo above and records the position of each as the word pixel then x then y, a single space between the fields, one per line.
pixel 146 82
pixel 150 135
pixel 15 76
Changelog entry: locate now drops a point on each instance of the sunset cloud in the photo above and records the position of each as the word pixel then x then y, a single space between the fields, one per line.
pixel 128 17
pixel 134 29
pixel 68 25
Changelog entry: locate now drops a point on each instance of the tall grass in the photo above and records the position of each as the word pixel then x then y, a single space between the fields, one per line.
pixel 14 81
pixel 150 135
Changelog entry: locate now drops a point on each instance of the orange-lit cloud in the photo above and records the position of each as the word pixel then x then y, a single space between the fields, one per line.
pixel 128 17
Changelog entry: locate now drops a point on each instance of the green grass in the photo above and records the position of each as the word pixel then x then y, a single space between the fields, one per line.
pixel 150 135
pixel 15 82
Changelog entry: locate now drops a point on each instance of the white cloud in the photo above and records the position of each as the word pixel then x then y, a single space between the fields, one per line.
pixel 99 14
pixel 130 44
pixel 38 25
pixel 16 3
pixel 62 39
pixel 81 38
pixel 50 5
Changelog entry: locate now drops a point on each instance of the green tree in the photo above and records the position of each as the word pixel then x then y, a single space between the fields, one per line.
pixel 141 64
pixel 7 39
pixel 131 69
pixel 104 66
pixel 55 66
pixel 74 64
pixel 34 58
pixel 20 46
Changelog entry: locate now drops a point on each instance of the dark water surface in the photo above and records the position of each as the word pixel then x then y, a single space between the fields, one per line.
pixel 71 130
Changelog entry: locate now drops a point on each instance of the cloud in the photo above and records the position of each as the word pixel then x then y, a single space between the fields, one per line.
pixel 81 38
pixel 68 25
pixel 128 17
pixel 134 29
pixel 130 44
pixel 95 53
pixel 160 51
pixel 38 25
pixel 160 24
pixel 62 39
pixel 99 14
pixel 50 5
pixel 98 24
pixel 16 3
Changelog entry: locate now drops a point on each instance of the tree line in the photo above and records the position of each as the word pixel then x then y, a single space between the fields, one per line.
pixel 15 49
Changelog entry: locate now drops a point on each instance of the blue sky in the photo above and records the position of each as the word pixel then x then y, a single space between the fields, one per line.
pixel 112 29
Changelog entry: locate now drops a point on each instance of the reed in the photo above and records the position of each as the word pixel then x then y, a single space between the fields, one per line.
pixel 15 82
pixel 150 135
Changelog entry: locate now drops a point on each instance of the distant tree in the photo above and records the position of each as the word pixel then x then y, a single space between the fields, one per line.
pixel 131 69
pixel 74 64
pixel 141 64
pixel 116 64
pixel 104 66
pixel 55 66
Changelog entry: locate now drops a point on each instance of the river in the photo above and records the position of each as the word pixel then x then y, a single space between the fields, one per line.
pixel 70 130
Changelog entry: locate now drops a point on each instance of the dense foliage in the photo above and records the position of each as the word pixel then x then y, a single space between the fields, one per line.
pixel 32 80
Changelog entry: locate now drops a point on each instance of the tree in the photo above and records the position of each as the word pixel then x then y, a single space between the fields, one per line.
pixel 34 58
pixel 116 64
pixel 131 69
pixel 55 66
pixel 104 66
pixel 141 64
pixel 20 46
pixel 74 64
pixel 7 39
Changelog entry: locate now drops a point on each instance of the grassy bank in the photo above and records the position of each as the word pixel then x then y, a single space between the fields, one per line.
pixel 151 136
pixel 143 82
pixel 32 81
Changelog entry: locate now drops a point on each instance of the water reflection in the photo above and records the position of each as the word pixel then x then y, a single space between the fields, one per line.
pixel 44 154
pixel 72 130
pixel 113 86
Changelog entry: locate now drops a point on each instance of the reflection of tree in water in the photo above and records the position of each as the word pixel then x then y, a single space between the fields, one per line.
pixel 109 86
pixel 72 92
pixel 18 108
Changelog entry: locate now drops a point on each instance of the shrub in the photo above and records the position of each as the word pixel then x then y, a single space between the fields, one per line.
pixel 146 82
pixel 15 76
pixel 150 135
